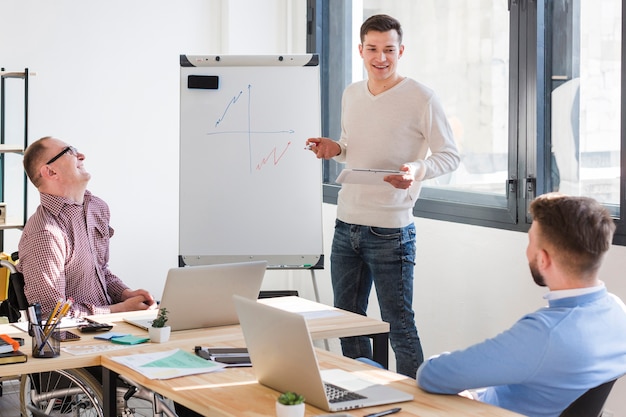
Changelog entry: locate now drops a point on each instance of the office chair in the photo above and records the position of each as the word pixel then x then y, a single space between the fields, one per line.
pixel 16 303
pixel 589 404
pixel 74 389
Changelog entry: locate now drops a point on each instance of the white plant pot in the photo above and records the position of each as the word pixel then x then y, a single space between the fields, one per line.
pixel 159 334
pixel 283 410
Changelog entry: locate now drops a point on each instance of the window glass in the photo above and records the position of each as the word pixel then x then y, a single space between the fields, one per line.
pixel 533 95
pixel 585 98
pixel 460 49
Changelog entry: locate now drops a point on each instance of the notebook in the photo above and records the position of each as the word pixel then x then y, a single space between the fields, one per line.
pixel 198 297
pixel 283 358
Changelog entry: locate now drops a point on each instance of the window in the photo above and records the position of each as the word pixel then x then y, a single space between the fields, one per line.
pixel 532 90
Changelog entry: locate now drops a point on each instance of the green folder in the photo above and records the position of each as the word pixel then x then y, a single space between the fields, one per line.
pixel 130 340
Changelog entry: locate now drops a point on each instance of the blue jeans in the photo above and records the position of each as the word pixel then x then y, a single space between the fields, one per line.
pixel 362 255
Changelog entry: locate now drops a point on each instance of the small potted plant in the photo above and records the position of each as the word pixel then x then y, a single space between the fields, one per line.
pixel 290 404
pixel 159 332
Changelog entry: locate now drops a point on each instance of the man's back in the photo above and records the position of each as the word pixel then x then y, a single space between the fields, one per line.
pixel 545 361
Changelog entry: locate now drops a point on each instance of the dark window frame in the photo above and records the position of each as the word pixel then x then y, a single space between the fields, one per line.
pixel 529 105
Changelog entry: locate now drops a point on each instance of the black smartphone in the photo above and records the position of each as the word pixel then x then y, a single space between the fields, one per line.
pixel 66 336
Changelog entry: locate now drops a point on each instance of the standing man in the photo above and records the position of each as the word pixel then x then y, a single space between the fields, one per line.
pixel 64 248
pixel 388 122
pixel 550 357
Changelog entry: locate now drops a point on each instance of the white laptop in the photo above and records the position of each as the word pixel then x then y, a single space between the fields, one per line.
pixel 283 358
pixel 198 297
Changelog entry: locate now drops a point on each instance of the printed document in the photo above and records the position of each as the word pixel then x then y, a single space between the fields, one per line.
pixel 168 364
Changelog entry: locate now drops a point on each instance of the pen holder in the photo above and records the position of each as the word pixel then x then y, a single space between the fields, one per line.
pixel 45 342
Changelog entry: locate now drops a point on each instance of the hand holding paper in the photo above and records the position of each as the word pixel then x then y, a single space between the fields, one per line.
pixel 365 176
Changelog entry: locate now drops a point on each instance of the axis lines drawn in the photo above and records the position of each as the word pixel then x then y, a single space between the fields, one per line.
pixel 274 155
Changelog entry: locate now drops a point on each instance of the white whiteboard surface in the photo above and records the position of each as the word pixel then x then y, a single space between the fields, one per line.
pixel 248 188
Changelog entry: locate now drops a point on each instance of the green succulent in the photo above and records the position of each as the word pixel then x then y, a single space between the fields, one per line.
pixel 290 398
pixel 161 318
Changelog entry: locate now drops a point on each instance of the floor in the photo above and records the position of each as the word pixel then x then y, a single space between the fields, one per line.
pixel 9 401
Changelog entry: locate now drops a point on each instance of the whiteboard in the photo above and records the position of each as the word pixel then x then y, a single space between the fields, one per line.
pixel 248 188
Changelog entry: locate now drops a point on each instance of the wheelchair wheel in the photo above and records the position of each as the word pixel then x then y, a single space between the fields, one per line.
pixel 70 392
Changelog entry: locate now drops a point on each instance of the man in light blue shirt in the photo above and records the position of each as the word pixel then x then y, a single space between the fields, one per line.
pixel 550 357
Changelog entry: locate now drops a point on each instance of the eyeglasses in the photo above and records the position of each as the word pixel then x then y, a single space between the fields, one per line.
pixel 72 150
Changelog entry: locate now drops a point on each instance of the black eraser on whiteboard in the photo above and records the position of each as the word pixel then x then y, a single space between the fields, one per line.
pixel 203 82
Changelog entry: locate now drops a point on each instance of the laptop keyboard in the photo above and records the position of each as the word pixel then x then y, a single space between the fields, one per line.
pixel 336 394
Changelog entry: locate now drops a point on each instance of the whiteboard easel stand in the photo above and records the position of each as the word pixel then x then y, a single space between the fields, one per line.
pixel 315 289
pixel 317 299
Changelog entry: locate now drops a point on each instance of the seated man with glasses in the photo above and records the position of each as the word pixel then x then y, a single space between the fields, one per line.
pixel 64 248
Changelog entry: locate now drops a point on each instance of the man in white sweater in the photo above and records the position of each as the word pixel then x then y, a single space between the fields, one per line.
pixel 389 122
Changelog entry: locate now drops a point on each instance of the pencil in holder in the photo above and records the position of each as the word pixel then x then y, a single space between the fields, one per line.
pixel 45 341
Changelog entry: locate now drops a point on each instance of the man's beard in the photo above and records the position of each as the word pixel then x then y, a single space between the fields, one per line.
pixel 537 277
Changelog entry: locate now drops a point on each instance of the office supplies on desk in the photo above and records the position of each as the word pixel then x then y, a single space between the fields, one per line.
pixel 283 358
pixel 384 413
pixel 168 364
pixel 93 327
pixel 8 344
pixel 44 344
pixel 231 357
pixel 15 356
pixel 129 339
pixel 66 336
pixel 45 336
pixel 109 335
pixel 198 297
pixel 54 311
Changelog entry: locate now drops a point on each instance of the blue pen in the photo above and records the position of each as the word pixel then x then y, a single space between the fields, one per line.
pixel 383 413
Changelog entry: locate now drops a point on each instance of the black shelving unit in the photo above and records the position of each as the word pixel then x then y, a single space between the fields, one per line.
pixel 12 145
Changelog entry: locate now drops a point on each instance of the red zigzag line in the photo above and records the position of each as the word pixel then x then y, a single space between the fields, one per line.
pixel 273 153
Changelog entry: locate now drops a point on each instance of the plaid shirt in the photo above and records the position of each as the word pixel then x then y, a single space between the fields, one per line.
pixel 64 253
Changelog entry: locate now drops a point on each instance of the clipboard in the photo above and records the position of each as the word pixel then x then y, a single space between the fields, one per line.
pixel 366 176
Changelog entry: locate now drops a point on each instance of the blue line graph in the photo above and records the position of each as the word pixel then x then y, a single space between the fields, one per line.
pixel 274 155
pixel 232 101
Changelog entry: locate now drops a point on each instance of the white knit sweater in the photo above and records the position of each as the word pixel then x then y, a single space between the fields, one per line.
pixel 396 127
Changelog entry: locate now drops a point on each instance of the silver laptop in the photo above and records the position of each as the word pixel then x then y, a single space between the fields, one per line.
pixel 198 297
pixel 283 358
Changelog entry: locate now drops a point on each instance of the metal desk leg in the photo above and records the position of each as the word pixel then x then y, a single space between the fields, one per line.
pixel 380 348
pixel 109 386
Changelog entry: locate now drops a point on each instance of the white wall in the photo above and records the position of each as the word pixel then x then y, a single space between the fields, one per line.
pixel 107 82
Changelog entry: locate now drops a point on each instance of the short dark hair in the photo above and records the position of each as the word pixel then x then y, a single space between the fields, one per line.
pixel 33 157
pixel 579 228
pixel 381 23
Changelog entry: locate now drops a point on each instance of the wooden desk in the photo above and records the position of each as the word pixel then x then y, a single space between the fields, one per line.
pixel 235 392
pixel 323 321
